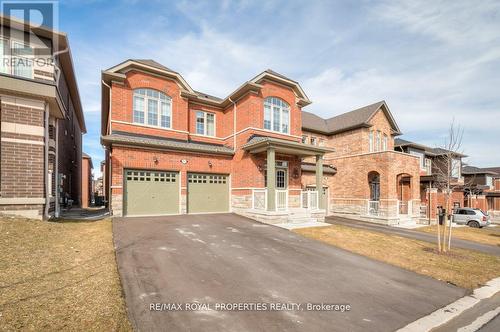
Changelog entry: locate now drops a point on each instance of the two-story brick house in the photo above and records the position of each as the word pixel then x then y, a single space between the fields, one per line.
pixel 173 150
pixel 41 121
pixel 482 188
pixel 433 164
pixel 371 181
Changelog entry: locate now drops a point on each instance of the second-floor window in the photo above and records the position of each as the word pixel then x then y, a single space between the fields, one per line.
pixel 153 108
pixel 489 181
pixel 17 58
pixel 384 143
pixel 205 123
pixel 377 141
pixel 304 139
pixel 371 141
pixel 314 141
pixel 455 168
pixel 276 115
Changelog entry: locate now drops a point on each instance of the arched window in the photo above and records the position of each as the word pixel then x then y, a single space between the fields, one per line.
pixel 153 108
pixel 276 115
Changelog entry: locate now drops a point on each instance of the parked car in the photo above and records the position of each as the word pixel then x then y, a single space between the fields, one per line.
pixel 471 217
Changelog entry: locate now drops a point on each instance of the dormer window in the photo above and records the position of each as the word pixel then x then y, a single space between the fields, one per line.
pixel 153 108
pixel 276 115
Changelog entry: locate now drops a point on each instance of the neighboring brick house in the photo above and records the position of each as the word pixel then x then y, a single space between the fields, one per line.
pixel 432 161
pixel 370 179
pixel 482 188
pixel 173 150
pixel 87 180
pixel 41 121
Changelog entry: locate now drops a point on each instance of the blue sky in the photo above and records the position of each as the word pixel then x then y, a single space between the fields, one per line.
pixel 431 61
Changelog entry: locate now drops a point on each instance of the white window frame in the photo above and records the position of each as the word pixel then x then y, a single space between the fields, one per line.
pixel 456 164
pixel 371 141
pixel 159 101
pixel 304 139
pixel 283 107
pixel 205 123
pixel 314 140
pixel 489 181
pixel 378 140
pixel 384 142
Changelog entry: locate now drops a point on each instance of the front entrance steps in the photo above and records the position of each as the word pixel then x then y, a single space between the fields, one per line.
pixel 292 216
pixel 298 215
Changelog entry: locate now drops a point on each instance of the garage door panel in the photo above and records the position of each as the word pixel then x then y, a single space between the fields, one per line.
pixel 151 193
pixel 208 193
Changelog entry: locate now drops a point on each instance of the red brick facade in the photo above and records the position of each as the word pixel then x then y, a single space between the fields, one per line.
pixel 245 170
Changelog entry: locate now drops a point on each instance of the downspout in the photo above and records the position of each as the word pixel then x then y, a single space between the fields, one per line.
pixel 46 162
pixel 56 170
pixel 234 123
pixel 107 169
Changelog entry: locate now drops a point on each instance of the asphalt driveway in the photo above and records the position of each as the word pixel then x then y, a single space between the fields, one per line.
pixel 225 258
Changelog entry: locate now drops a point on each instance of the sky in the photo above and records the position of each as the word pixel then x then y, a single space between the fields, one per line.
pixel 433 62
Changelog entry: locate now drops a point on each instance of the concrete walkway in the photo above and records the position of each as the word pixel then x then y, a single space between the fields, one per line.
pixel 412 234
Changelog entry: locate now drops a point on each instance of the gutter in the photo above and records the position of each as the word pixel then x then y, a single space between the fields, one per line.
pixel 46 162
pixel 234 123
pixel 56 171
pixel 108 129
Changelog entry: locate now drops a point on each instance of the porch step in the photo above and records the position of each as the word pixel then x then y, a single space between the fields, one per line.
pixel 298 216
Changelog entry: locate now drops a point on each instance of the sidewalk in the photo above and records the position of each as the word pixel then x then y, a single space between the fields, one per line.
pixel 480 310
pixel 412 234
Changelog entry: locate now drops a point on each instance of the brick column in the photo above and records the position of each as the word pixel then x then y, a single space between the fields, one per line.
pixel 432 203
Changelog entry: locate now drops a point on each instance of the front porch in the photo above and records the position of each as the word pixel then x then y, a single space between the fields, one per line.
pixel 381 188
pixel 282 200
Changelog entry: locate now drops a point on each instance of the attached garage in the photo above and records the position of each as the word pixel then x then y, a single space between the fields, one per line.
pixel 207 193
pixel 149 193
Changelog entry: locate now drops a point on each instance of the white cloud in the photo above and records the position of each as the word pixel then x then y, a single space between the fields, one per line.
pixel 431 61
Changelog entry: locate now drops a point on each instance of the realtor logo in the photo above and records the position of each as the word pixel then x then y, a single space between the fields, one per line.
pixel 33 16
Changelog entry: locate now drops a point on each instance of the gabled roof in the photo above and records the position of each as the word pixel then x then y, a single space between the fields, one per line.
pixel 152 63
pixel 117 73
pixel 477 170
pixel 357 118
pixel 492 169
pixel 398 142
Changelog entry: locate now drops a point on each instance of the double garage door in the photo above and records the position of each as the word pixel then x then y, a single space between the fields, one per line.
pixel 150 193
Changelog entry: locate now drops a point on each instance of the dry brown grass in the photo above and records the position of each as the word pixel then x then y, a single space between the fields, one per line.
pixel 464 268
pixel 57 276
pixel 485 235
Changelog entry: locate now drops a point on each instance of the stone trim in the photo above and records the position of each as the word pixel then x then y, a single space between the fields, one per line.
pixel 22 141
pixel 22 200
pixel 23 102
pixel 24 129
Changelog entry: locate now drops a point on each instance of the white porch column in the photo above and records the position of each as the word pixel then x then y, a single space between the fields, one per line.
pixel 271 179
pixel 319 180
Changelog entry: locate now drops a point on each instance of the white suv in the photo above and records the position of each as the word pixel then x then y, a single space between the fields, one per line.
pixel 471 217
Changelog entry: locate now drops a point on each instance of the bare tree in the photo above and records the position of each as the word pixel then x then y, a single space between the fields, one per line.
pixel 448 165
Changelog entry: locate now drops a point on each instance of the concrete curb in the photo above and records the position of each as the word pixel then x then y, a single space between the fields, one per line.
pixel 445 314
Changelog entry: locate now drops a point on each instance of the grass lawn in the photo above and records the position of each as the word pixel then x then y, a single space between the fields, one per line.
pixel 485 235
pixel 57 276
pixel 464 268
